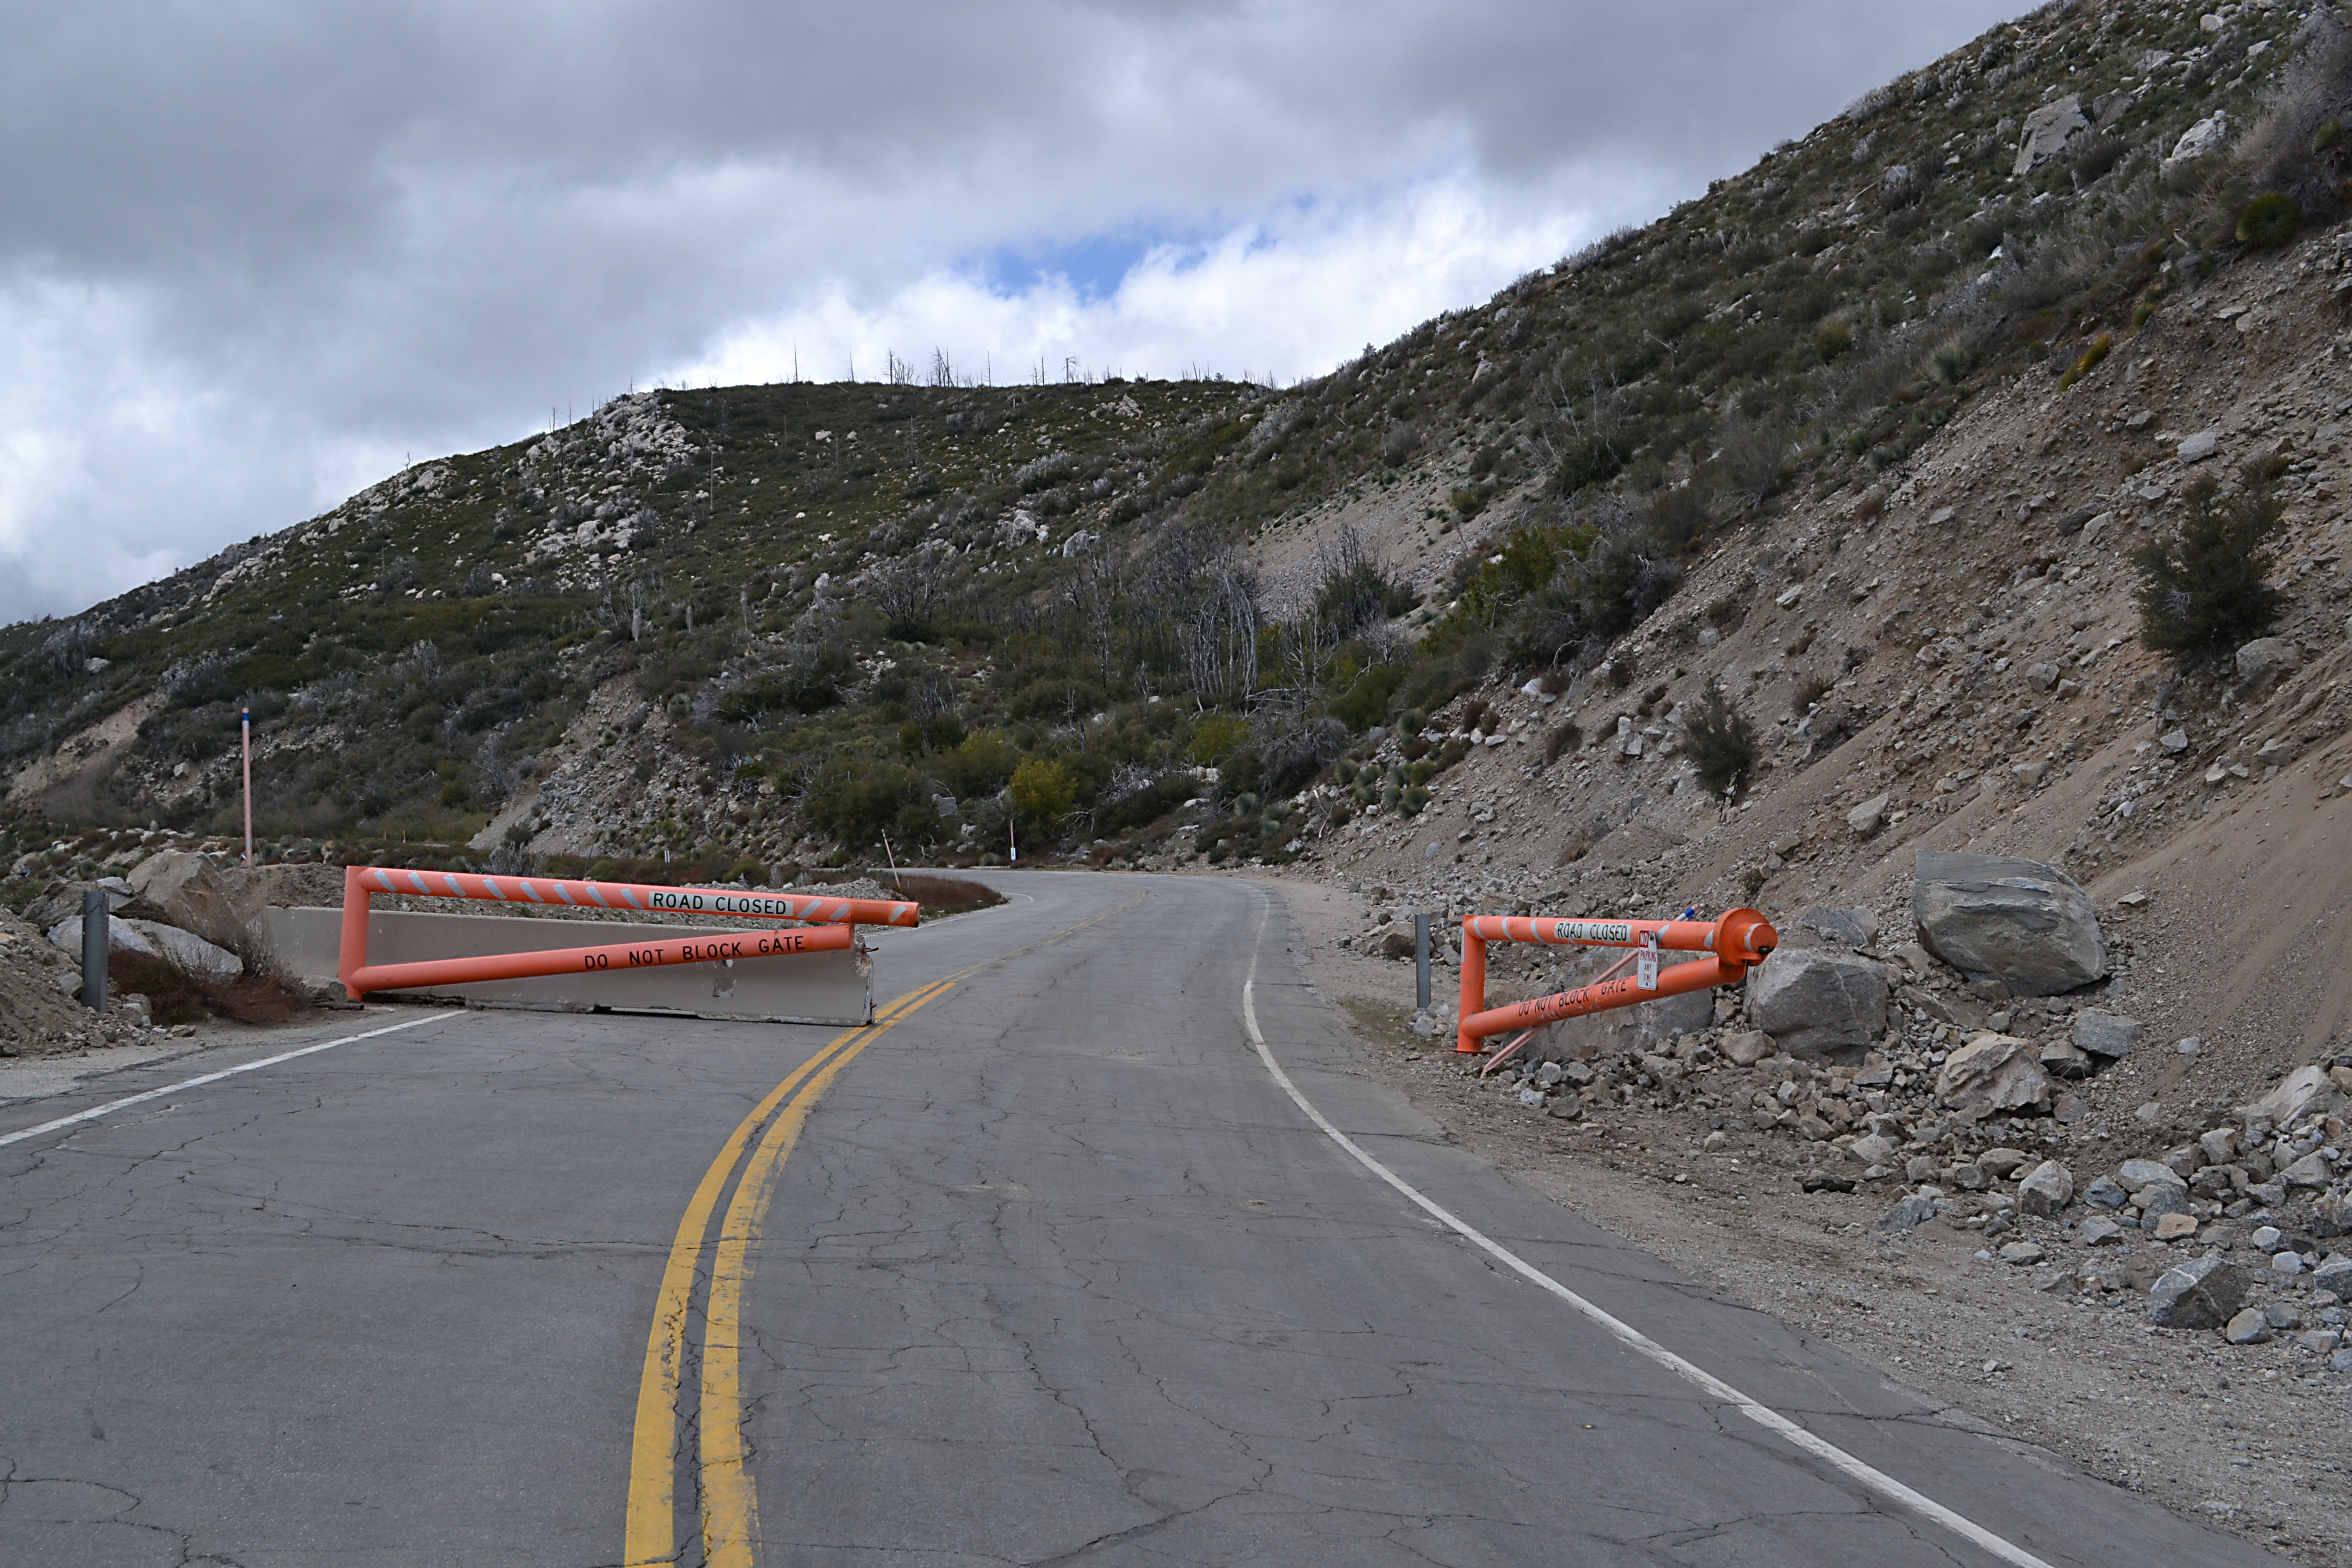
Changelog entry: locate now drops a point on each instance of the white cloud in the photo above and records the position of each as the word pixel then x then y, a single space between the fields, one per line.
pixel 1289 296
pixel 283 249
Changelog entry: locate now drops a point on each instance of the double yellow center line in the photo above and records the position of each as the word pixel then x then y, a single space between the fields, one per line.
pixel 729 1500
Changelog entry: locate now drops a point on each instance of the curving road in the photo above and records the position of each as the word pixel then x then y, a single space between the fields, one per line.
pixel 1055 1265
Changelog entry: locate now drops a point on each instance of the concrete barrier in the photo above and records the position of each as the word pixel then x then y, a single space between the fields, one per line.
pixel 808 987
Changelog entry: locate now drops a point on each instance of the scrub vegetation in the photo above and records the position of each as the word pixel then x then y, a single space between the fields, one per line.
pixel 954 616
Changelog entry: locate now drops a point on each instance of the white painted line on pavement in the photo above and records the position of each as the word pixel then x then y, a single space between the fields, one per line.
pixel 94 1112
pixel 1876 1481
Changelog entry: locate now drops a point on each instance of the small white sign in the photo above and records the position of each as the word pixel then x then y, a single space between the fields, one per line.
pixel 1645 962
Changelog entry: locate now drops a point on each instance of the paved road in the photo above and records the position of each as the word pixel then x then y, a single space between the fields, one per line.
pixel 1049 1269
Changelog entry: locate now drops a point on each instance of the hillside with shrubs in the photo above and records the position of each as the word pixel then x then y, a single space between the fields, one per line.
pixel 767 626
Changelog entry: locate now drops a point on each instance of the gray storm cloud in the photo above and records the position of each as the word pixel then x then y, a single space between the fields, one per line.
pixel 253 256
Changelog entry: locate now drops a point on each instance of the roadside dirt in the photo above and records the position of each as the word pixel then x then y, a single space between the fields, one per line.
pixel 2248 1436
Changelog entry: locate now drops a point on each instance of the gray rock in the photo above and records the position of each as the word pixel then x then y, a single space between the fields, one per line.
pixel 1744 1047
pixel 2203 138
pixel 2099 1228
pixel 2027 925
pixel 2004 1163
pixel 2265 659
pixel 2333 1273
pixel 2157 1202
pixel 2201 1294
pixel 2042 677
pixel 2174 741
pixel 2319 1342
pixel 2048 1188
pixel 1873 1149
pixel 2019 1253
pixel 2047 130
pixel 2200 446
pixel 2108 1034
pixel 2288 1264
pixel 147 939
pixel 1909 1215
pixel 1994 1073
pixel 2247 1327
pixel 1845 927
pixel 1815 1003
pixel 2340 1361
pixel 2137 1175
pixel 2282 1315
pixel 2105 1193
pixel 2311 1171
pixel 2283 1105
pixel 2218 1146
pixel 1869 816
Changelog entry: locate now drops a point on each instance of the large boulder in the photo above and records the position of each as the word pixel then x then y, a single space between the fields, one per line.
pixel 2266 659
pixel 222 905
pixel 1994 1073
pixel 151 939
pixel 2025 924
pixel 2203 1294
pixel 1817 1002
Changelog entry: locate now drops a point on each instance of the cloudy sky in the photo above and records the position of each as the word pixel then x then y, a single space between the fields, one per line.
pixel 256 256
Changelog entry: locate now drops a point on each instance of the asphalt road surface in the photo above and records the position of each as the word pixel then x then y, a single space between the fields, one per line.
pixel 1048 1266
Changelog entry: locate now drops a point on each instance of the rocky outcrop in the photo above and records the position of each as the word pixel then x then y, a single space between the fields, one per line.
pixel 2026 925
pixel 1817 1002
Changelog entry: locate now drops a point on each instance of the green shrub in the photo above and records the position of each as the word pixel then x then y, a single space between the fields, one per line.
pixel 1041 791
pixel 1366 703
pixel 2202 592
pixel 978 766
pixel 1720 743
pixel 1217 737
pixel 2270 218
pixel 1833 341
pixel 857 802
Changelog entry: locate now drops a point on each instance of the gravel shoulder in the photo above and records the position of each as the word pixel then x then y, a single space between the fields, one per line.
pixel 2248 1437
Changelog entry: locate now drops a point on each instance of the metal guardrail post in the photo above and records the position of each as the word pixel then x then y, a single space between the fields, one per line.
pixel 97 942
pixel 1421 961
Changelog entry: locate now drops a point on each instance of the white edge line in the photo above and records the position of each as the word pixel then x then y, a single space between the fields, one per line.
pixel 114 1105
pixel 1876 1481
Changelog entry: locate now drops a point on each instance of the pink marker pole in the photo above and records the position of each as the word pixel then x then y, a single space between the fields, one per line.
pixel 244 723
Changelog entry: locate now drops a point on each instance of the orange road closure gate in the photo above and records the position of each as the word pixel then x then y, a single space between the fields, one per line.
pixel 839 919
pixel 1738 941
